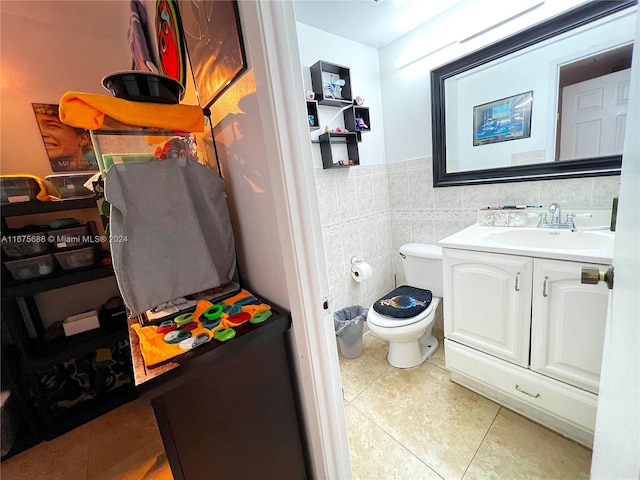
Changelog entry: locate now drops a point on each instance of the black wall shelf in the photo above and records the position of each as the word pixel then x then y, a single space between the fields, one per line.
pixel 312 111
pixel 322 74
pixel 351 115
pixel 329 139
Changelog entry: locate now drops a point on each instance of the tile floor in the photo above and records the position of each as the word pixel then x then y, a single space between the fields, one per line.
pixel 124 444
pixel 417 424
pixel 402 424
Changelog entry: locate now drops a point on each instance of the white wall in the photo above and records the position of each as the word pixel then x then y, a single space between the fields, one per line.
pixel 353 201
pixel 49 48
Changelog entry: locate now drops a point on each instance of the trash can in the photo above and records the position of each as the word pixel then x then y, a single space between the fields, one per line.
pixel 349 323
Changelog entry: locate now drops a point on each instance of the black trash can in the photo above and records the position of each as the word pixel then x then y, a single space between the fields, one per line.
pixel 349 324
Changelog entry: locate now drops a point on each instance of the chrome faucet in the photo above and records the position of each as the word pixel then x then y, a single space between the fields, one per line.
pixel 556 218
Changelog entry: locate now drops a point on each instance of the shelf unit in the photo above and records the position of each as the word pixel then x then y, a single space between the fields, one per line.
pixel 351 115
pixel 329 139
pixel 30 360
pixel 324 76
pixel 312 115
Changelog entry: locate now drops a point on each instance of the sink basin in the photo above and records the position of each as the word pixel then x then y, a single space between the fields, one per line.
pixel 553 239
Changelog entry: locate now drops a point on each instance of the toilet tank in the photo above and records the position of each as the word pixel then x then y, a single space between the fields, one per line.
pixel 422 264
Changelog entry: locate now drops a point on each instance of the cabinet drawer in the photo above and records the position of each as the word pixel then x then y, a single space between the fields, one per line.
pixel 561 401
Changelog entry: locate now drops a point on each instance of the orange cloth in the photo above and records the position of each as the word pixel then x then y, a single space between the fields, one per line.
pixel 88 110
pixel 155 350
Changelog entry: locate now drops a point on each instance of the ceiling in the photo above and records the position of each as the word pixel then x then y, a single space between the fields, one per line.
pixel 371 23
pixel 377 23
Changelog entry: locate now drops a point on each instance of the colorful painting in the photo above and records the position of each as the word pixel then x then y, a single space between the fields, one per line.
pixel 503 120
pixel 171 51
pixel 214 42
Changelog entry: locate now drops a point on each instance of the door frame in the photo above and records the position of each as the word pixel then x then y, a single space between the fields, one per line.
pixel 278 75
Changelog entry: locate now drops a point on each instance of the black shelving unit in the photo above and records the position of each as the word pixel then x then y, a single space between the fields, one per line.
pixel 329 139
pixel 324 74
pixel 30 359
pixel 312 115
pixel 351 115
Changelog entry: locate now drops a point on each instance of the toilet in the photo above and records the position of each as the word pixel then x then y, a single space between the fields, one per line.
pixel 405 316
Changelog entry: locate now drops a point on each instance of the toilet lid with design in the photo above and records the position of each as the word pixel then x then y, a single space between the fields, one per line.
pixel 403 302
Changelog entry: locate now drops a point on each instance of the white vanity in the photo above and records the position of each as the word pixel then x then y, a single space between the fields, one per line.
pixel 520 327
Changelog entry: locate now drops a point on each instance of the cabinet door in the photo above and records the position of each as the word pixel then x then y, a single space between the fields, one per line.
pixel 487 302
pixel 568 321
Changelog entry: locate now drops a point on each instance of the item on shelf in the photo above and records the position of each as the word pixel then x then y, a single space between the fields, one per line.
pixel 360 125
pixel 141 86
pixel 81 323
pixel 70 184
pixel 63 222
pixel 16 246
pixel 113 313
pixel 32 267
pixel 311 119
pixel 359 101
pixel 333 89
pixel 310 95
pixel 70 237
pixel 82 257
pixel 18 189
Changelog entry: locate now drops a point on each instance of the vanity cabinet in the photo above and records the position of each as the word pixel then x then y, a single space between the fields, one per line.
pixel 525 332
pixel 491 307
pixel 568 323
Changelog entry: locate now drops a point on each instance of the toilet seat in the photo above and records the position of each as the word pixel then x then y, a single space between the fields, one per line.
pixel 391 322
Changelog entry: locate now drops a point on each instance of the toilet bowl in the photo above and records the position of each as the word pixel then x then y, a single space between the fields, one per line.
pixel 410 339
pixel 405 316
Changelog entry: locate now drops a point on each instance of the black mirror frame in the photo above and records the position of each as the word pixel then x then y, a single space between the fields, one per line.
pixel 598 166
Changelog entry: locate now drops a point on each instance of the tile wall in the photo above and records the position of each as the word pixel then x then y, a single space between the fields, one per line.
pixel 371 210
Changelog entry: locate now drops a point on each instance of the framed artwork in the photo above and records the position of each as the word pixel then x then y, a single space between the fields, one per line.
pixel 171 50
pixel 503 120
pixel 69 149
pixel 214 43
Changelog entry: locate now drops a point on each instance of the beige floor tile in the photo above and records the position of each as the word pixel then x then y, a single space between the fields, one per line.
pixel 140 465
pixel 122 437
pixel 438 356
pixel 440 422
pixel 64 458
pixel 358 373
pixel 375 455
pixel 517 448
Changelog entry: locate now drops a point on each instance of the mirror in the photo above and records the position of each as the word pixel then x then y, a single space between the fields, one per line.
pixel 536 105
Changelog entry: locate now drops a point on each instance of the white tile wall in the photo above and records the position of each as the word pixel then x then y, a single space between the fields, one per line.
pixel 369 211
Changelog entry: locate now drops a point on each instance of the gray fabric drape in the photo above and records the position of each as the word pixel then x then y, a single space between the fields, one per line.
pixel 171 231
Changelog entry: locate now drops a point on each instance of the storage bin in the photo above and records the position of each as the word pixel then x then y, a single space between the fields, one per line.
pixel 18 189
pixel 70 237
pixel 32 267
pixel 81 322
pixel 15 246
pixel 81 257
pixel 70 184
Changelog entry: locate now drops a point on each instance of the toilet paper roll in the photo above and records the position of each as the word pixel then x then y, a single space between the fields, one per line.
pixel 361 271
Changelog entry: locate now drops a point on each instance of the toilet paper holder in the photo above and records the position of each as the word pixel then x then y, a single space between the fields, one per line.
pixel 354 261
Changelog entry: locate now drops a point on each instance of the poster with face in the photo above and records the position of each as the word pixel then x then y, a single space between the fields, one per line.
pixel 69 149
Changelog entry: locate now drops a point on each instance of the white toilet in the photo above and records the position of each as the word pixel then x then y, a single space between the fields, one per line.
pixel 405 316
